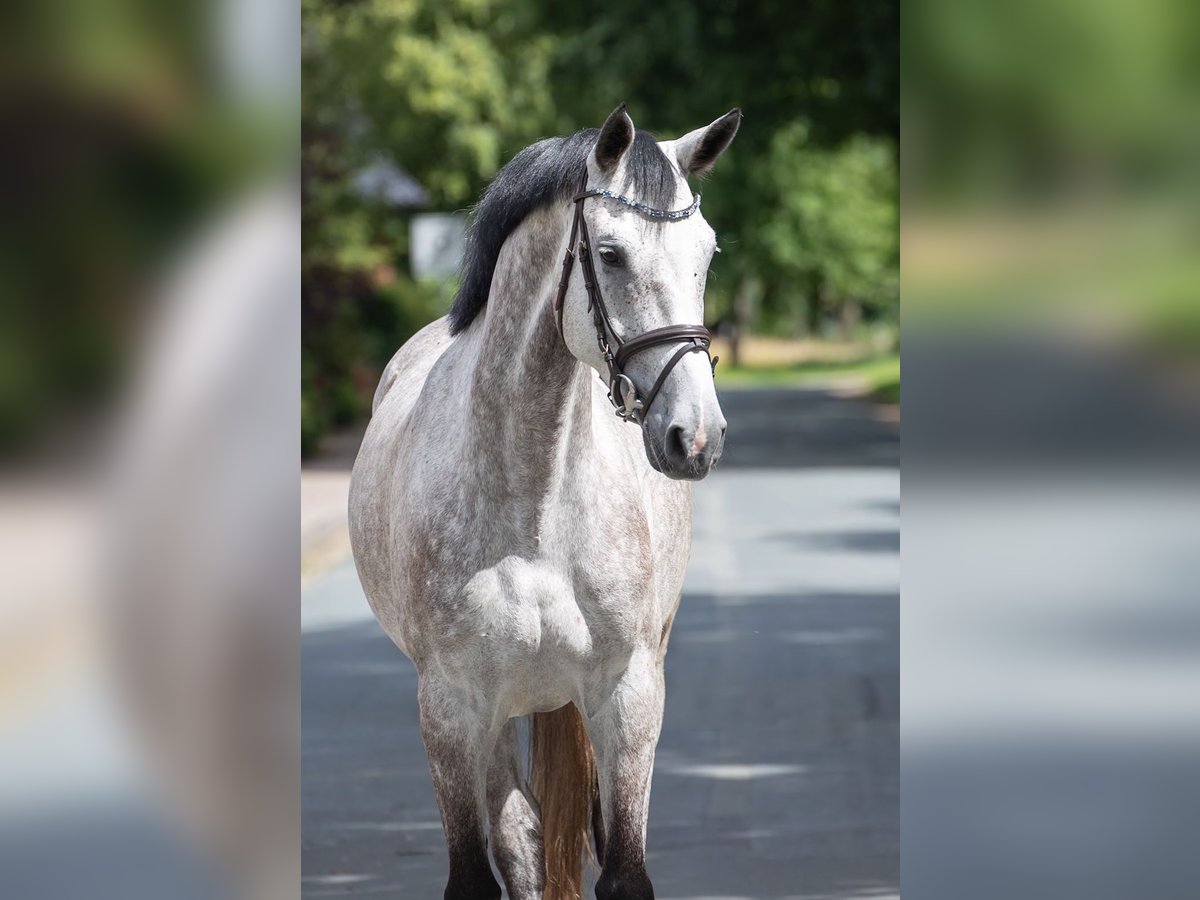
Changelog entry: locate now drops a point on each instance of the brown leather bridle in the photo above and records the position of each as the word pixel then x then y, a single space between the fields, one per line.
pixel 622 392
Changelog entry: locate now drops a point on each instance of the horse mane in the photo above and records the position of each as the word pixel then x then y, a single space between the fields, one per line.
pixel 543 173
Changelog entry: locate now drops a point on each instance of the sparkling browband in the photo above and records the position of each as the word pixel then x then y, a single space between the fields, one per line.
pixel 668 214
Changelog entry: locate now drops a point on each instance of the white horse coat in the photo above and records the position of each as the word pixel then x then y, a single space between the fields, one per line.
pixel 518 541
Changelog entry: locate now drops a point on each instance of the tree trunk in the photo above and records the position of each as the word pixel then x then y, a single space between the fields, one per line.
pixel 851 314
pixel 744 303
pixel 815 303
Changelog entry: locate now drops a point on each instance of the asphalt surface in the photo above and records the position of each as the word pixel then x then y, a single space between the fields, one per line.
pixel 777 774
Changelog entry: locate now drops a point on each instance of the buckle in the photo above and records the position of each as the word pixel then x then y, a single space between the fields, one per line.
pixel 620 390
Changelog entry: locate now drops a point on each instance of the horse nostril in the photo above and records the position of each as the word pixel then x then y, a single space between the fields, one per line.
pixel 676 450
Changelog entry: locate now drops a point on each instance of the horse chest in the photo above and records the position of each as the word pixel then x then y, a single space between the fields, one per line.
pixel 538 633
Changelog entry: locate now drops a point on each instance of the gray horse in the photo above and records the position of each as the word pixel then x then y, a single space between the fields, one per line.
pixel 516 539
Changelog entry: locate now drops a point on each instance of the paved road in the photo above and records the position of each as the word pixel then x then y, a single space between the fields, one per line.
pixel 777 770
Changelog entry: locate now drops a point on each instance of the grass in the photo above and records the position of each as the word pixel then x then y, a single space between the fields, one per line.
pixel 877 376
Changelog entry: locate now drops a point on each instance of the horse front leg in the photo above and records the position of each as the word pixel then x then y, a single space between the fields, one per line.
pixel 459 743
pixel 624 732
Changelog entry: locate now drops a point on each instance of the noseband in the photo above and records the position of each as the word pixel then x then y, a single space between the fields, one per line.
pixel 622 392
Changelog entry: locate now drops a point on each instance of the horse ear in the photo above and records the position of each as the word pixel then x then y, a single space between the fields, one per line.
pixel 698 150
pixel 615 138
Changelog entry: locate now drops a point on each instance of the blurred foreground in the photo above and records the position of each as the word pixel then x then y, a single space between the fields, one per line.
pixel 1051 636
pixel 149 359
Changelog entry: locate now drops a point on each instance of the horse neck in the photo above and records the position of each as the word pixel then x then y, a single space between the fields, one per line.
pixel 529 395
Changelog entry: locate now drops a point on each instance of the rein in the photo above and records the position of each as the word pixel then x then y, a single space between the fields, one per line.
pixel 622 392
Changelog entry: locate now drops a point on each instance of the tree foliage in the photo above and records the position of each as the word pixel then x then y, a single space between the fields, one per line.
pixel 831 239
pixel 444 90
pixel 446 87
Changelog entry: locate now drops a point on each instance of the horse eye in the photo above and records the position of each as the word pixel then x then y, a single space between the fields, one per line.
pixel 610 255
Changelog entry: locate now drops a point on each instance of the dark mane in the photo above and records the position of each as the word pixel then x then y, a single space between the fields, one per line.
pixel 543 173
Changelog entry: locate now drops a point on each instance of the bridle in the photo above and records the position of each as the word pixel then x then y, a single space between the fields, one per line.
pixel 622 392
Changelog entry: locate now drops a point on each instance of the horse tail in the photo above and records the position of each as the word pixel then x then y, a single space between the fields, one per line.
pixel 563 775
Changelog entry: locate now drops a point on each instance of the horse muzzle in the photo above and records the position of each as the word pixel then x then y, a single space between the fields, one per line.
pixel 685 450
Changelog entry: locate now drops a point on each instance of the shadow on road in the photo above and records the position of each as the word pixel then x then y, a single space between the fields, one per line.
pixel 883 541
pixel 804 428
pixel 778 759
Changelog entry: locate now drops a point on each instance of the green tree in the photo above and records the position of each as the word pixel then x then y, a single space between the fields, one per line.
pixel 447 88
pixel 444 89
pixel 832 234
